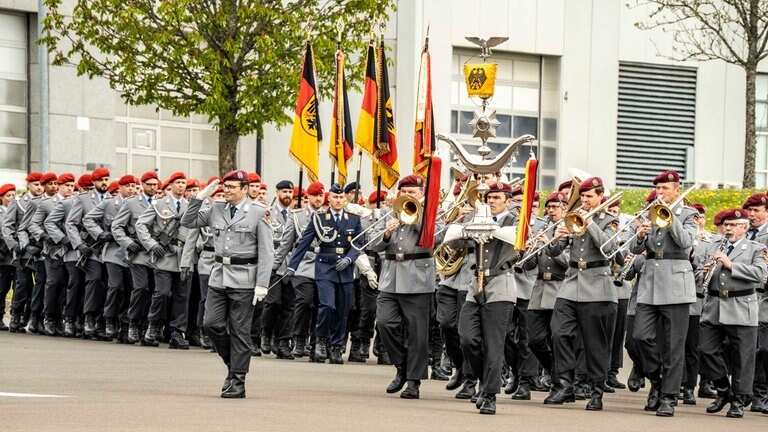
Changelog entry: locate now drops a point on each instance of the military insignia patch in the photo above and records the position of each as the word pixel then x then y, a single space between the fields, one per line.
pixel 476 78
pixel 765 254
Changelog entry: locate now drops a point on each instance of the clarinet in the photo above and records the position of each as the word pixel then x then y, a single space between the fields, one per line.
pixel 619 281
pixel 711 272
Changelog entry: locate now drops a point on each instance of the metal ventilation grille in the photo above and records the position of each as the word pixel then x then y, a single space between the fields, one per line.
pixel 657 115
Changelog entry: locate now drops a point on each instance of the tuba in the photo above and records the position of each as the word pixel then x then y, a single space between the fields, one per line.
pixel 448 260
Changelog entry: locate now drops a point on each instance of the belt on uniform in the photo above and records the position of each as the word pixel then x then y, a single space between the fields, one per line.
pixel 547 276
pixel 728 293
pixel 235 260
pixel 495 272
pixel 470 250
pixel 407 257
pixel 209 249
pixel 667 255
pixel 582 265
pixel 330 250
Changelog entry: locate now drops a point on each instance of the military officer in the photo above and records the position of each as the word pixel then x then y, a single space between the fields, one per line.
pixel 586 302
pixel 124 232
pixel 159 231
pixel 98 223
pixel 7 270
pixel 738 268
pixel 668 289
pixel 335 229
pixel 406 287
pixel 243 248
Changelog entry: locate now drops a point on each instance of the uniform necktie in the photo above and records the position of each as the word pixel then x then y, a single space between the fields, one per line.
pixel 284 212
pixel 495 219
pixel 338 218
pixel 178 206
pixel 730 249
pixel 149 200
pixel 232 211
pixel 752 233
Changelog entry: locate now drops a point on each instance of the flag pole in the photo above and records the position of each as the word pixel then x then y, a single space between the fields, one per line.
pixel 333 171
pixel 301 180
pixel 357 176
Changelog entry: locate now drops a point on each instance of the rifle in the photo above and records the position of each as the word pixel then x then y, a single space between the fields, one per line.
pixel 167 237
pixel 84 258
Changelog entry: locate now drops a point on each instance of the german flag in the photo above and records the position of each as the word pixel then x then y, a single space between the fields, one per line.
pixel 386 143
pixel 307 134
pixel 366 124
pixel 529 190
pixel 424 136
pixel 341 149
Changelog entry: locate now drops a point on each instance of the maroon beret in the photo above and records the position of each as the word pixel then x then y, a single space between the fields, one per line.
pixel 756 200
pixel 178 175
pixel 33 177
pixel 556 196
pixel 149 175
pixel 373 198
pixel 99 173
pixel 718 219
pixel 66 178
pixel 614 204
pixel 565 184
pixel 4 189
pixel 253 178
pixel 457 187
pixel 315 188
pixel 516 191
pixel 734 214
pixel 500 187
pixel 126 180
pixel 237 175
pixel 699 208
pixel 113 186
pixel 536 196
pixel 651 196
pixel 667 177
pixel 410 181
pixel 590 183
pixel 47 178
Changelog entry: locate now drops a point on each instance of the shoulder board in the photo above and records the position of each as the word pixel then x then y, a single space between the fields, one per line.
pixel 321 211
pixel 296 211
pixel 259 204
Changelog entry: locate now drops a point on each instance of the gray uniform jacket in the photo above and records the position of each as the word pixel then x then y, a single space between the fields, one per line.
pixel 283 234
pixel 99 220
pixel 198 249
pixel 499 257
pixel 37 227
pixel 748 261
pixel 634 276
pixel 74 225
pixel 668 281
pixel 551 272
pixel 54 226
pixel 247 235
pixel 298 221
pixel 700 254
pixel 416 276
pixel 6 257
pixel 527 278
pixel 124 226
pixel 152 222
pixel 16 210
pixel 588 284
pixel 23 232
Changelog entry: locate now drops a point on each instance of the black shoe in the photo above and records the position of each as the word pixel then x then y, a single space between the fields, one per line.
pixel 205 341
pixel 354 352
pixel 69 327
pixel 688 397
pixel 607 388
pixel 284 350
pixel 110 329
pixel 33 324
pixel 266 344
pixel 737 407
pixel 596 398
pixel 398 382
pixel 666 406
pixel 580 391
pixel 560 395
pixel 488 405
pixel 49 324
pixel 101 333
pixel 227 380
pixel 255 348
pixel 236 389
pixel 758 404
pixel 512 384
pixel 298 348
pixel 538 385
pixel 383 358
pixel 468 391
pixel 706 390
pixel 412 391
pixel 722 399
pixel 456 381
pixel 523 391
pixel 149 336
pixel 15 324
pixel 177 341
pixel 60 327
pixel 546 380
pixel 194 339
pixel 89 328
pixel 365 349
pixel 321 350
pixel 133 333
pixel 613 381
pixel 654 397
pixel 335 357
pixel 437 373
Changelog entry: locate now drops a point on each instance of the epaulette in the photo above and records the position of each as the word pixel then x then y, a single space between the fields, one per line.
pixel 297 211
pixel 259 203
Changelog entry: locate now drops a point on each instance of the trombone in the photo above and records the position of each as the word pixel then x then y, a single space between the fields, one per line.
pixel 406 209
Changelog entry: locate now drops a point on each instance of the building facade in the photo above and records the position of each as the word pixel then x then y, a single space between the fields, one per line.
pixel 598 94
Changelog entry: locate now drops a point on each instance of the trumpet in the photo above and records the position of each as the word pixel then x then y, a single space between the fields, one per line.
pixel 518 267
pixel 661 215
pixel 406 209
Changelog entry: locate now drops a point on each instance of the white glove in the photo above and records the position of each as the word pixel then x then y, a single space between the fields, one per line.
pixel 208 191
pixel 259 292
pixel 364 266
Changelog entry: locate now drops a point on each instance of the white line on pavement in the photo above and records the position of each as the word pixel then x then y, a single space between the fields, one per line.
pixel 30 395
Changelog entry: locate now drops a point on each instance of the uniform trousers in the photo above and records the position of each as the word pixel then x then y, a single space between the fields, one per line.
pixel 304 290
pixel 334 299
pixel 435 340
pixel 483 331
pixel 516 351
pixel 75 290
pixel 760 388
pixel 169 286
pixel 368 297
pixel 449 304
pixel 403 323
pixel 617 345
pixel 7 276
pixel 353 318
pixel 38 289
pixel 22 289
pixel 95 290
pixel 141 276
pixel 691 371
pixel 659 331
pixel 743 341
pixel 118 287
pixel 540 337
pixel 203 295
pixel 277 316
pixel 194 303
pixel 55 288
pixel 595 321
pixel 227 321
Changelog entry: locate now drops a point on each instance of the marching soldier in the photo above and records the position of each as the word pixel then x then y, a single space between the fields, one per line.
pixel 738 268
pixel 160 232
pixel 243 249
pixel 124 232
pixel 620 329
pixel 254 186
pixel 7 271
pixel 334 258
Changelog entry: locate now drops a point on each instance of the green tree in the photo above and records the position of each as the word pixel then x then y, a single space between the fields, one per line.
pixel 734 31
pixel 236 61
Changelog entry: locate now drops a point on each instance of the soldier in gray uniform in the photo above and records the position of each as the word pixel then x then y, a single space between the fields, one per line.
pixel 7 270
pixel 736 269
pixel 55 270
pixel 95 291
pixel 624 293
pixel 160 232
pixel 142 275
pixel 406 287
pixel 586 302
pixel 98 223
pixel 242 239
pixel 668 289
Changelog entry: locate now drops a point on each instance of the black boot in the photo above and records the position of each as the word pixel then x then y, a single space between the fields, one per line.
pixel 321 350
pixel 437 372
pixel 89 328
pixel 336 355
pixel 50 326
pixel 177 341
pixel 546 380
pixel 69 327
pixel 758 401
pixel 383 358
pixel 60 327
pixel 3 327
pixel 284 350
pixel 722 399
pixel 412 391
pixel 365 349
pixel 512 384
pixel 523 391
pixel 456 380
pixel 537 385
pixel 236 389
pixel 561 393
pixel 298 348
pixel 596 397
pixel 667 406
pixel 227 380
pixel 15 324
pixel 205 341
pixel 33 323
pixel 468 390
pixel 688 397
pixel 266 344
pixel 399 381
pixel 133 333
pixel 110 331
pixel 194 339
pixel 706 390
pixel 255 348
pixel 581 389
pixel 149 336
pixel 354 352
pixel 613 380
pixel 488 406
pixel 654 396
pixel 737 407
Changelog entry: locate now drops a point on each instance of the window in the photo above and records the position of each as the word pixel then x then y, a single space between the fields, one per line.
pixel 13 92
pixel 527 89
pixel 761 126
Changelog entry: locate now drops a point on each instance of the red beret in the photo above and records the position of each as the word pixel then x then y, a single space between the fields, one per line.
pixel 113 186
pixel 33 177
pixel 178 175
pixel 615 203
pixel 85 180
pixel 325 200
pixel 149 175
pixel 236 175
pixel 590 183
pixel 500 187
pixel 734 214
pixel 699 208
pixel 565 184
pixel 516 191
pixel 126 180
pixel 718 219
pixel 296 192
pixel 219 189
pixel 4 189
pixel 193 183
pixel 166 185
pixel 65 178
pixel 651 196
pixel 373 198
pixel 136 180
pixel 212 179
pixel 99 173
pixel 756 200
pixel 253 178
pixel 263 186
pixel 556 196
pixel 667 177
pixel 457 187
pixel 47 178
pixel 536 196
pixel 315 188
pixel 410 181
